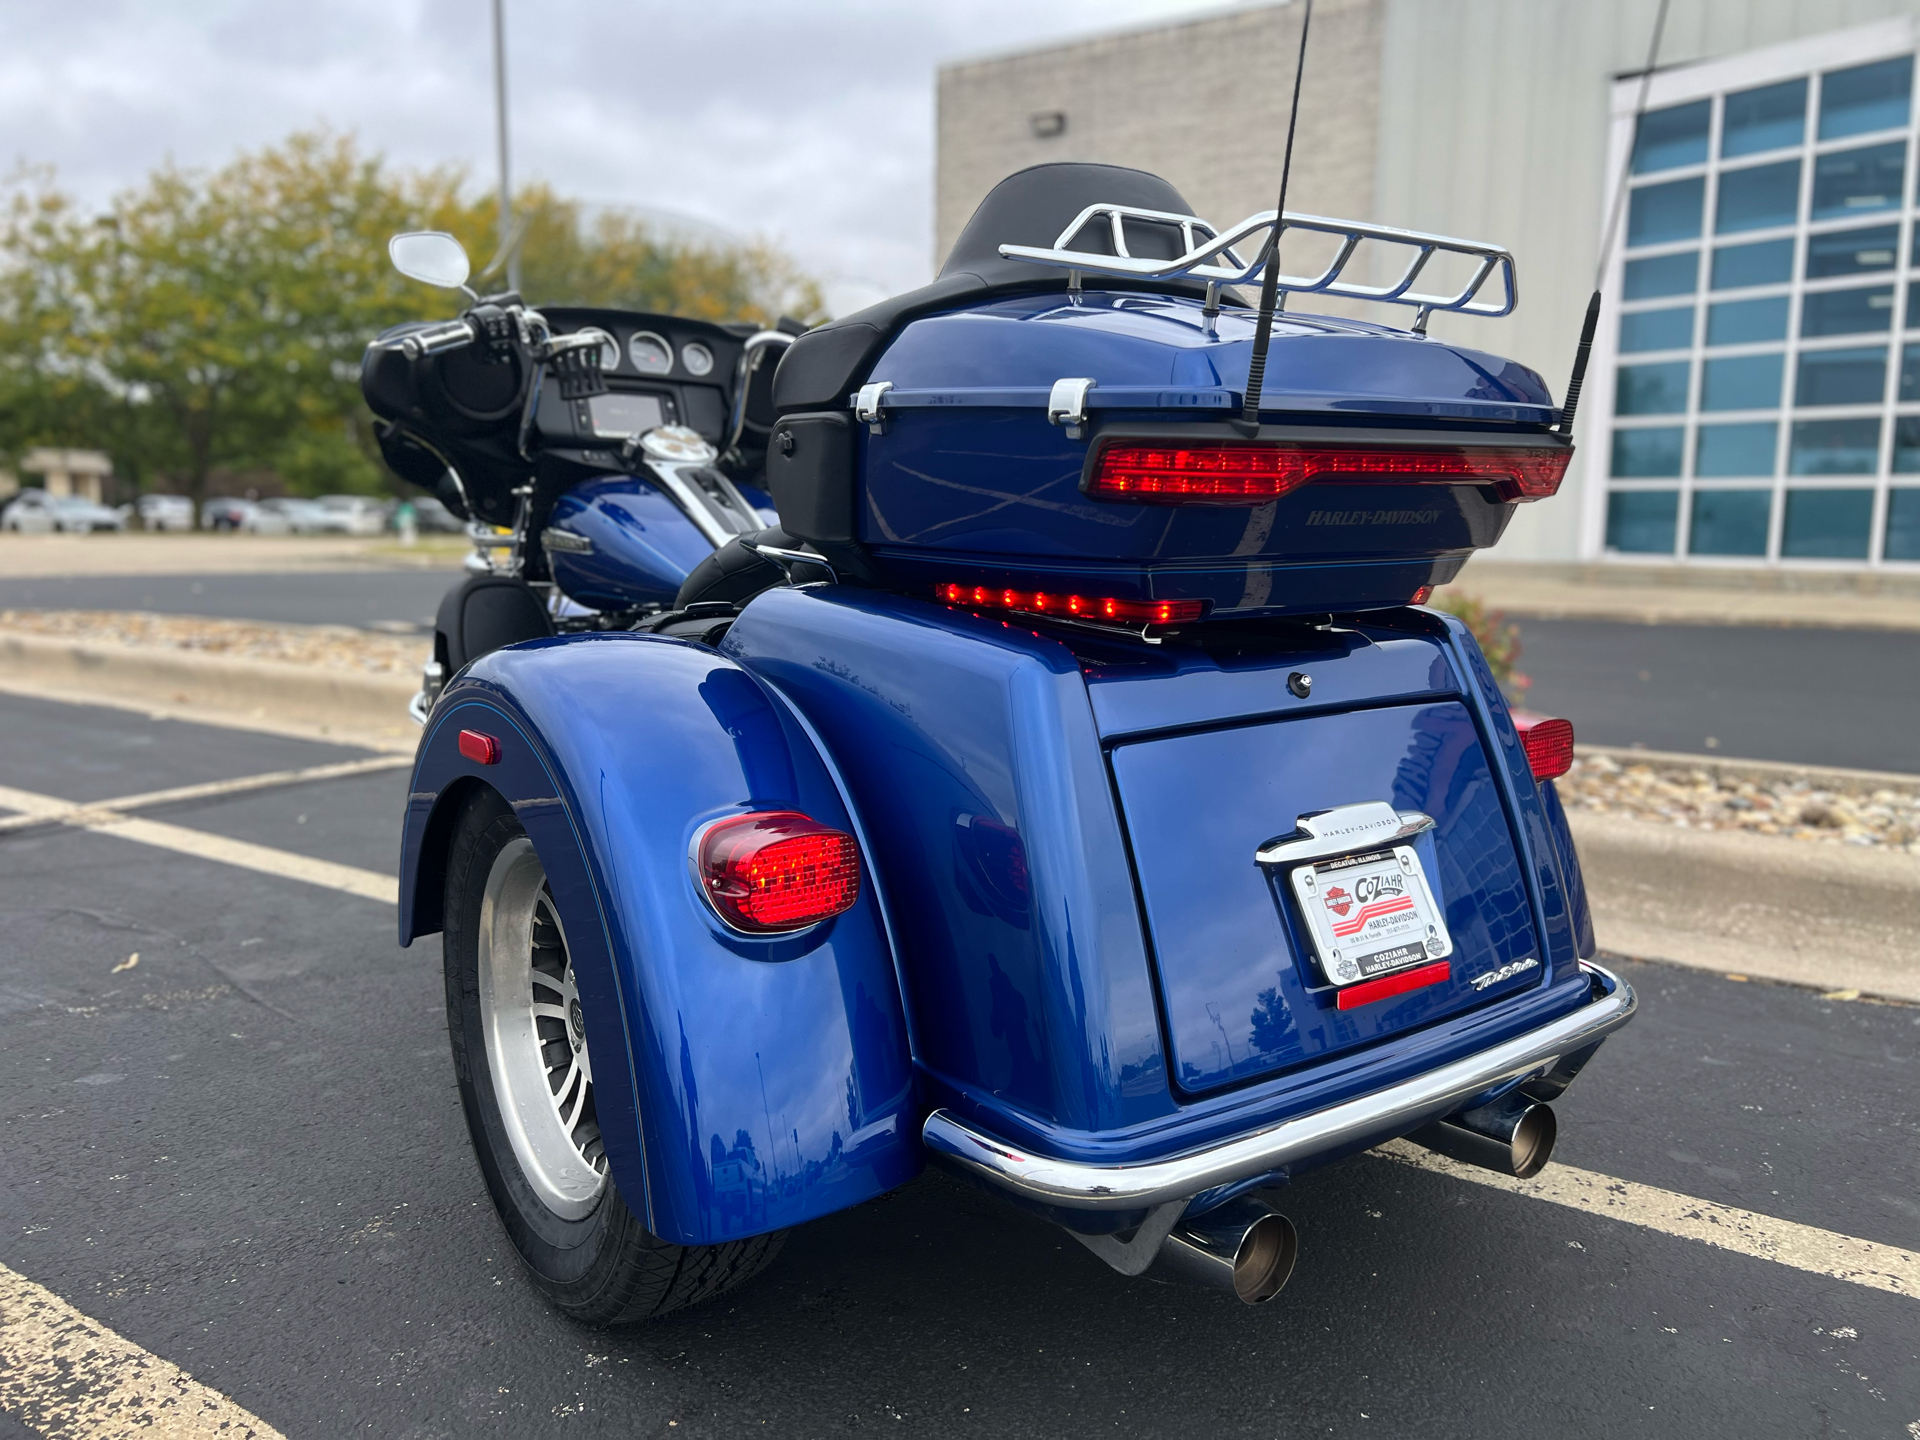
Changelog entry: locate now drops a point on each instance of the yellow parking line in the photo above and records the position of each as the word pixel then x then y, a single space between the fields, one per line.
pixel 1784 1242
pixel 65 1375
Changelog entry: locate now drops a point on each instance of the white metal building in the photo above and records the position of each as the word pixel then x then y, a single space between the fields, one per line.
pixel 1751 399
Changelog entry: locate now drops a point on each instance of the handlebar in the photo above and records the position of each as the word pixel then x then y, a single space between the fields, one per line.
pixel 434 339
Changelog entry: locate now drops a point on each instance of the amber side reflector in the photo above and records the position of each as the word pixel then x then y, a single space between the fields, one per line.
pixel 1549 743
pixel 1250 474
pixel 1399 983
pixel 778 870
pixel 481 749
pixel 1085 607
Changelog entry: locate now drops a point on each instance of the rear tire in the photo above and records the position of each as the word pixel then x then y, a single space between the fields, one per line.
pixel 514 1020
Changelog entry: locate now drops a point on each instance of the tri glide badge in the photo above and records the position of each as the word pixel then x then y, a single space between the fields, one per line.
pixel 1370 914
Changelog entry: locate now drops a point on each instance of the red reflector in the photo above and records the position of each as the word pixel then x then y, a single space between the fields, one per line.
pixel 481 749
pixel 1549 744
pixel 1388 986
pixel 1085 607
pixel 1244 474
pixel 777 870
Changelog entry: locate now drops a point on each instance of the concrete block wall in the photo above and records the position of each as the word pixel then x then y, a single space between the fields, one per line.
pixel 1203 103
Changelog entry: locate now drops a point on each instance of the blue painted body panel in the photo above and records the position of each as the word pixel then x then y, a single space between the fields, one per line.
pixel 1243 991
pixel 643 545
pixel 969 483
pixel 766 1080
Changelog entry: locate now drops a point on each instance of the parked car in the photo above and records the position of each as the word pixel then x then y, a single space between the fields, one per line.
pixel 163 512
pixel 356 514
pixel 36 512
pixel 430 514
pixel 304 517
pixel 226 513
pixel 28 513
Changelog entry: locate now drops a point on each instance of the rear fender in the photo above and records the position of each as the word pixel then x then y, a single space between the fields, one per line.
pixel 744 1083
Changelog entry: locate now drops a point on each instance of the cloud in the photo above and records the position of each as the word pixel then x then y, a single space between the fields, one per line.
pixel 808 124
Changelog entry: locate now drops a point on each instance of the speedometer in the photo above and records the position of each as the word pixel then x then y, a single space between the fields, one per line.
pixel 649 353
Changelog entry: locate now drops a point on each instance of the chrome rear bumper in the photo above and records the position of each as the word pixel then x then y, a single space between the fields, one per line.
pixel 1075 1185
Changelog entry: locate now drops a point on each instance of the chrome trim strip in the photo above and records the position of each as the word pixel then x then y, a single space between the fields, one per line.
pixel 1077 1185
pixel 1346 830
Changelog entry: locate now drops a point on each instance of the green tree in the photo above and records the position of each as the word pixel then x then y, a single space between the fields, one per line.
pixel 216 320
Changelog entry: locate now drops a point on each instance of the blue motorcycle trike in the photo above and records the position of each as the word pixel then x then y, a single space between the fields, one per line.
pixel 962 734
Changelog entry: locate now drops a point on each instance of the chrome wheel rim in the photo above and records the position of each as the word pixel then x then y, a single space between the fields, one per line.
pixel 536 1037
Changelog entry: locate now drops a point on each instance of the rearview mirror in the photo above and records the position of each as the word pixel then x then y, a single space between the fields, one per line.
pixel 432 256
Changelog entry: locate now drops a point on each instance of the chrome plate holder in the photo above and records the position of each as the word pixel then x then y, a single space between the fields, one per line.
pixel 1362 891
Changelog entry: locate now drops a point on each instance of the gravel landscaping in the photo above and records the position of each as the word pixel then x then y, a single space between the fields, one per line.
pixel 331 647
pixel 1697 799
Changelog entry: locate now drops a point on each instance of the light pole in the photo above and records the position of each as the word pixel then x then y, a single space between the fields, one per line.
pixel 500 129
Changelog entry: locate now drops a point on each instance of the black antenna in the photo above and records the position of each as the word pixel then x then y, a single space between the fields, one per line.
pixel 1584 350
pixel 1270 286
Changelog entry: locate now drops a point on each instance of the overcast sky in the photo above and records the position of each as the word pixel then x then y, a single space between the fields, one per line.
pixel 809 123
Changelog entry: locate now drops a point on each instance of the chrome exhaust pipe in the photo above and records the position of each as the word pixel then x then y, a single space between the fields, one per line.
pixel 1245 1246
pixel 1513 1135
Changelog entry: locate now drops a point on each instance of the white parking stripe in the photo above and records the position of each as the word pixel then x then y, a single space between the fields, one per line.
pixel 1784 1242
pixel 42 808
pixel 368 884
pixel 63 1374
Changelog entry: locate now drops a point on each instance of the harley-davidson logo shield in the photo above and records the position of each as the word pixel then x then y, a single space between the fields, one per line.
pixel 1338 900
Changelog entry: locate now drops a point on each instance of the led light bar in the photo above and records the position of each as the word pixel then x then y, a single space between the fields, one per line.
pixel 1082 607
pixel 1251 474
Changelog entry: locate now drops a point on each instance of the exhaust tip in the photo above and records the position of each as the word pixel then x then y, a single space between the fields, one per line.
pixel 1264 1262
pixel 1533 1141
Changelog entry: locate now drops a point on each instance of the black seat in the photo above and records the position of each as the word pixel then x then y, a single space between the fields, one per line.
pixel 1030 207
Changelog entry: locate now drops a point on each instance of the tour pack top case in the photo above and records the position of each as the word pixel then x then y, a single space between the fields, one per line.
pixel 1057 419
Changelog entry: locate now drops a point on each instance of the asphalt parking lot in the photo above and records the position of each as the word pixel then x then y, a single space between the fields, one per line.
pixel 244 1154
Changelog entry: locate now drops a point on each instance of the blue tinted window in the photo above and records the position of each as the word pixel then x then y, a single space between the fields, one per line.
pixel 1657 329
pixel 1765 119
pixel 1758 197
pixel 1841 377
pixel 1729 522
pixel 1745 322
pixel 1827 524
pixel 1647 454
pixel 1658 389
pixel 1913 305
pixel 1641 522
pixel 1659 213
pixel 1910 372
pixel 1661 275
pixel 1670 137
pixel 1835 447
pixel 1854 182
pixel 1906 445
pixel 1852 252
pixel 1847 312
pixel 1903 525
pixel 1731 451
pixel 1867 97
pixel 1765 262
pixel 1742 382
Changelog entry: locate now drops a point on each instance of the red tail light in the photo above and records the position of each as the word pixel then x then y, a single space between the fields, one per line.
pixel 1249 474
pixel 1086 607
pixel 1549 743
pixel 777 870
pixel 1398 983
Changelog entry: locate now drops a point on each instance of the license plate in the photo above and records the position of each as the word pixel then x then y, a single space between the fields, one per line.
pixel 1370 914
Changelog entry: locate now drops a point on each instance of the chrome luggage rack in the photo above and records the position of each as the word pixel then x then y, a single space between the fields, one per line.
pixel 1209 255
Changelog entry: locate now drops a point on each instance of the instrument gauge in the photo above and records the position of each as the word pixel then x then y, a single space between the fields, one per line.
pixel 697 358
pixel 649 353
pixel 609 354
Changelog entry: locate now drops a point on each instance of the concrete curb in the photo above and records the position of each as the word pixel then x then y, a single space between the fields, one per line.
pixel 331 700
pixel 1820 777
pixel 1833 916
